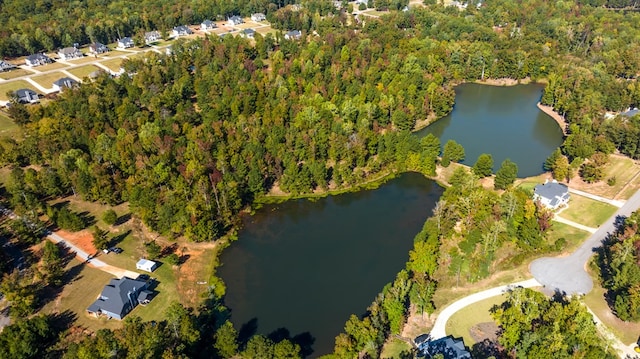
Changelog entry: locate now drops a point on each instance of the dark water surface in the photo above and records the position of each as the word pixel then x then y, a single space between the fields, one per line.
pixel 307 266
pixel 502 121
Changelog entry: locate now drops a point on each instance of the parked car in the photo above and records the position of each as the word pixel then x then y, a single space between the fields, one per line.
pixel 117 250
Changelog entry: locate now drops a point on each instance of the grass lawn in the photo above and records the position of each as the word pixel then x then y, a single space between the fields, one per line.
pixel 47 80
pixel 626 332
pixel 84 71
pixel 375 12
pixel 8 75
pixel 13 86
pixel 462 321
pixel 7 126
pixel 265 30
pixel 572 235
pixel 82 60
pixel 113 53
pixel 587 211
pixel 51 66
pixel 393 348
pixel 83 287
pixel 113 64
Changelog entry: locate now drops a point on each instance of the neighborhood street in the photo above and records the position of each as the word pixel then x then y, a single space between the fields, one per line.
pixel 568 274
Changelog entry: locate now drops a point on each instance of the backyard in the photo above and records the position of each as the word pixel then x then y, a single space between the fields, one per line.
pixel 587 211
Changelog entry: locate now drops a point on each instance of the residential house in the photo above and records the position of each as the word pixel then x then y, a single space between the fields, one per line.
pixel 64 83
pixel 448 347
pixel 181 30
pixel 5 66
pixel 37 60
pixel 248 33
pixel 146 265
pixel 551 194
pixel 293 35
pixel 258 17
pixel 97 48
pixel 26 96
pixel 125 43
pixel 119 297
pixel 208 25
pixel 234 20
pixel 70 53
pixel 361 2
pixel 152 36
pixel 630 112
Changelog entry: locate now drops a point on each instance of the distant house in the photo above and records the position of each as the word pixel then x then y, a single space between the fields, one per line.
pixel 70 53
pixel 98 48
pixel 235 20
pixel 630 112
pixel 146 265
pixel 293 35
pixel 208 25
pixel 37 60
pixel 181 30
pixel 551 194
pixel 5 66
pixel 26 96
pixel 64 83
pixel 119 297
pixel 248 33
pixel 448 347
pixel 152 36
pixel 125 43
pixel 359 2
pixel 258 17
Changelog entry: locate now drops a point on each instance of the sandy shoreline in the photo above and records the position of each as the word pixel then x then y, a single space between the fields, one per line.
pixel 556 116
pixel 504 81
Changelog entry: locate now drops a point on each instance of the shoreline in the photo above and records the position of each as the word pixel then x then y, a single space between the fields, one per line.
pixel 556 116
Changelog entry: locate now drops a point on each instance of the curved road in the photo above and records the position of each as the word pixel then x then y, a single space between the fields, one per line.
pixel 567 274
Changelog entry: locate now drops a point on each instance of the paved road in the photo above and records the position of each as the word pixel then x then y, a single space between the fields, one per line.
pixel 568 273
pixel 438 330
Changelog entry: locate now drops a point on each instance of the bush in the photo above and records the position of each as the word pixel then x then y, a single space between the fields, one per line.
pixel 173 259
pixel 110 217
pixel 612 181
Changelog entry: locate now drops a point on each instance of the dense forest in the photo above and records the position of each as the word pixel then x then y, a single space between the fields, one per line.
pixel 192 138
pixel 619 271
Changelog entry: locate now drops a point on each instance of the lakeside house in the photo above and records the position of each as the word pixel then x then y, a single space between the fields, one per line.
pixel 119 297
pixel 146 265
pixel 449 347
pixel 26 96
pixel 97 48
pixel 551 194
pixel 257 17
pixel 70 53
pixel 37 60
pixel 64 83
pixel 152 36
pixel 125 43
pixel 235 20
pixel 208 25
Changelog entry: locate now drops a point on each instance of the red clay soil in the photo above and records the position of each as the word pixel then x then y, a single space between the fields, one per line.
pixel 82 239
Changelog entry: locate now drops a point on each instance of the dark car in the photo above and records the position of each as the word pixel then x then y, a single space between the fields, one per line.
pixel 116 250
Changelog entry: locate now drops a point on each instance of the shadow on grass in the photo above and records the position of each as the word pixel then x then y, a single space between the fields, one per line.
pixel 119 238
pixel 51 292
pixel 123 219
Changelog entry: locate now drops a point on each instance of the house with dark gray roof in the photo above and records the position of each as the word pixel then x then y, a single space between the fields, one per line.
pixel 26 96
pixel 551 194
pixel 235 20
pixel 125 43
pixel 208 25
pixel 69 53
pixel 152 36
pixel 119 297
pixel 293 35
pixel 181 30
pixel 5 66
pixel 630 112
pixel 449 347
pixel 248 33
pixel 64 83
pixel 258 17
pixel 98 48
pixel 37 60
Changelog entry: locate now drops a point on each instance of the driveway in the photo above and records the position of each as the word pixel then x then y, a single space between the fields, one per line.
pixel 568 274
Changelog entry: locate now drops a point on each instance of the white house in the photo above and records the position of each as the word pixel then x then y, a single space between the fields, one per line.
pixel 152 36
pixel 248 33
pixel 5 66
pixel 208 25
pixel 98 48
pixel 257 17
pixel 26 96
pixel 235 20
pixel 64 83
pixel 146 265
pixel 69 53
pixel 551 194
pixel 37 60
pixel 181 30
pixel 125 43
pixel 293 35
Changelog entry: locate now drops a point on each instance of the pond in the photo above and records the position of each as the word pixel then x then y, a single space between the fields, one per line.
pixel 502 121
pixel 307 266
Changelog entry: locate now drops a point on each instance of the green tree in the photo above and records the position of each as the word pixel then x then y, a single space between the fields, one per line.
pixel 153 249
pixel 506 174
pixel 453 152
pixel 226 340
pixel 27 338
pixel 100 238
pixel 52 263
pixel 483 166
pixel 110 217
